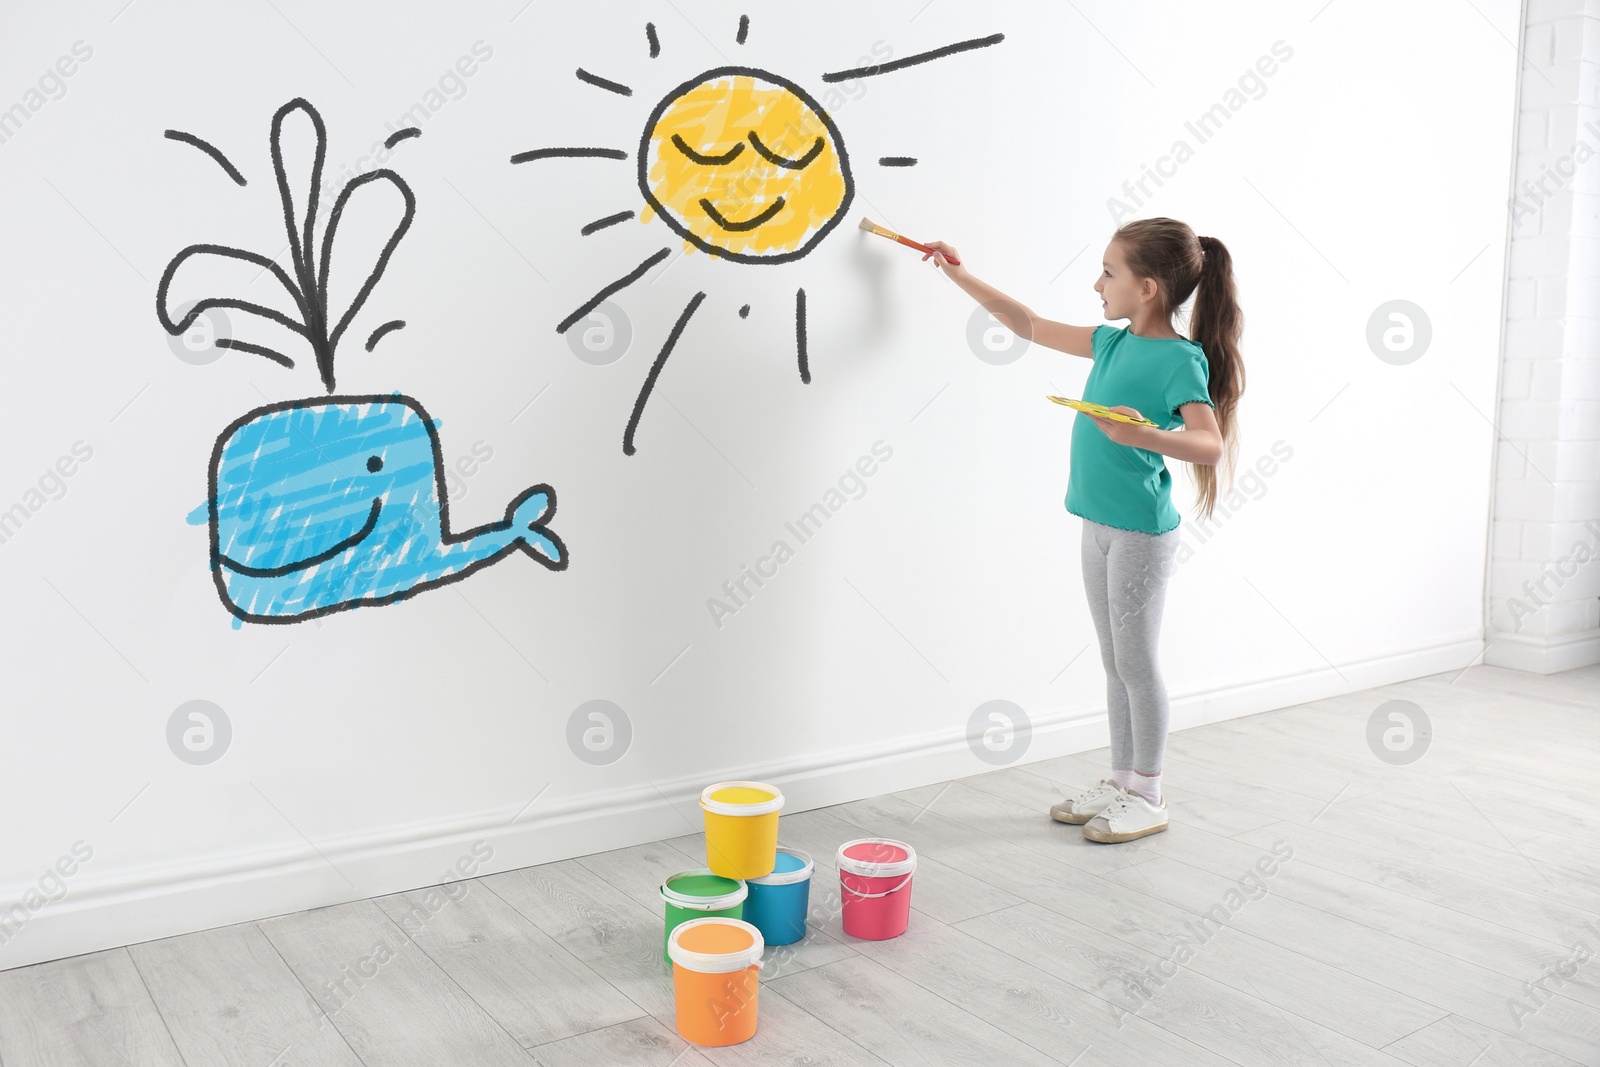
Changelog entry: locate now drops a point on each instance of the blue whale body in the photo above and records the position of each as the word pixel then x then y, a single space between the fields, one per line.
pixel 338 502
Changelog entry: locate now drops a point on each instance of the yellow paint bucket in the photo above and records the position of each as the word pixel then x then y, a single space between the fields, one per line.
pixel 741 828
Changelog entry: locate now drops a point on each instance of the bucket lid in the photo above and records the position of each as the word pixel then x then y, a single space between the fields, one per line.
pixel 741 798
pixel 877 857
pixel 791 866
pixel 717 945
pixel 701 890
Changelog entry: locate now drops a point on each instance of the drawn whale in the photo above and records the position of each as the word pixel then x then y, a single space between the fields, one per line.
pixel 339 502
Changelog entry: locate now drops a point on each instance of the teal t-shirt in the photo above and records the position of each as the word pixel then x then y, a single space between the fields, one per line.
pixel 1117 485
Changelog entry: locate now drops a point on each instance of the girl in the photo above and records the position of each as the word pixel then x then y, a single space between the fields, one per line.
pixel 1119 484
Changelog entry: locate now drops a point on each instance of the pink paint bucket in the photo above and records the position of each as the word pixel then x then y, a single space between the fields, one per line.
pixel 875 886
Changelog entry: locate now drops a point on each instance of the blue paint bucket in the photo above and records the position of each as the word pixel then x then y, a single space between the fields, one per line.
pixel 778 902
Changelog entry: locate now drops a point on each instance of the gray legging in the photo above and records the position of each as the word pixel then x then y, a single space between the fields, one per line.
pixel 1125 574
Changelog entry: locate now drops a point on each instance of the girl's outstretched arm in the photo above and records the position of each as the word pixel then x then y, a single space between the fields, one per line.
pixel 1012 314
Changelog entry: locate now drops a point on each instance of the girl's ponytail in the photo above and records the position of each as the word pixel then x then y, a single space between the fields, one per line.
pixel 1215 323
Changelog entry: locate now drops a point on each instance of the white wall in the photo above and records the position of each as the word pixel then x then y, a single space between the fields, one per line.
pixel 1544 602
pixel 371 749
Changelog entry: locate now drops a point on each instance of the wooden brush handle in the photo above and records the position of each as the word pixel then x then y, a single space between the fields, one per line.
pixel 919 246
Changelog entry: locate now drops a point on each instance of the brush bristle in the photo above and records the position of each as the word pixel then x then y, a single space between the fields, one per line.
pixel 868 224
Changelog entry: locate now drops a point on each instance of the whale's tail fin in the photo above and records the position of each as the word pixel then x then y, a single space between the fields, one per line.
pixel 528 514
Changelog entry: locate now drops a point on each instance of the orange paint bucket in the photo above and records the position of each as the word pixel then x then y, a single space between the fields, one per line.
pixel 715 966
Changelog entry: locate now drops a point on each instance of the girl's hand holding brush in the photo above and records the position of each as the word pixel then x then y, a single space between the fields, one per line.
pixel 947 259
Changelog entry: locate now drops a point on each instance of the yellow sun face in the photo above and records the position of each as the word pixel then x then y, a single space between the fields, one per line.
pixel 744 164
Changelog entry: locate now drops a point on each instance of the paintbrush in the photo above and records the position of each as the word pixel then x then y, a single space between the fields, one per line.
pixel 882 231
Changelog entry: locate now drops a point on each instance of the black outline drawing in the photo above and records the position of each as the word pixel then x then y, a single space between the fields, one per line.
pixel 604 83
pixel 912 61
pixel 609 220
pixel 655 372
pixel 784 161
pixel 445 536
pixel 667 216
pixel 401 135
pixel 378 334
pixel 800 334
pixel 690 152
pixel 621 283
pixel 209 149
pixel 702 158
pixel 309 288
pixel 750 223
pixel 569 153
pixel 256 350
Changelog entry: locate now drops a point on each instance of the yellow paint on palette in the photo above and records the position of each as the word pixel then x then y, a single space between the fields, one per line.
pixel 1101 410
pixel 744 164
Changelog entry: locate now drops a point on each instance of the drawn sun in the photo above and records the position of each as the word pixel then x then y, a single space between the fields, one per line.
pixel 741 163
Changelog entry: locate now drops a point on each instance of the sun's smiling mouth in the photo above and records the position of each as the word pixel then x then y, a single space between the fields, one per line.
pixel 748 224
pixel 311 561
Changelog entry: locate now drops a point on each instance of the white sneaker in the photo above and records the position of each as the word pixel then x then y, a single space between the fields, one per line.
pixel 1128 816
pixel 1085 805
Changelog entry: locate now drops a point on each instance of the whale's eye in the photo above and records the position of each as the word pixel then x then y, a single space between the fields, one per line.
pixel 374 464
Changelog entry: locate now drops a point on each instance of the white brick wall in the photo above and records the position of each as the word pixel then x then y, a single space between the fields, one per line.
pixel 1544 567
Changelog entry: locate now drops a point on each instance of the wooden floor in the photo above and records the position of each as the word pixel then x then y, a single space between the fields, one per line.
pixel 1417 908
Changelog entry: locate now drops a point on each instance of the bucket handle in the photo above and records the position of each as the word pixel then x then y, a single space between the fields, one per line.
pixel 870 896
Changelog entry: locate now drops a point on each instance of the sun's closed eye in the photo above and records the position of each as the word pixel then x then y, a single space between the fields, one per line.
pixel 790 164
pixel 706 160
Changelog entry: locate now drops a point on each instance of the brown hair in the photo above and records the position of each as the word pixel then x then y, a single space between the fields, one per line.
pixel 1181 263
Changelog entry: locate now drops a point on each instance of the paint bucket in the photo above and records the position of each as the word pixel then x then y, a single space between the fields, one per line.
pixel 741 821
pixel 875 884
pixel 715 969
pixel 699 894
pixel 778 902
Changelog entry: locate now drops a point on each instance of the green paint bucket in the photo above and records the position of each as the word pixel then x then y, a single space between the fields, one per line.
pixel 699 894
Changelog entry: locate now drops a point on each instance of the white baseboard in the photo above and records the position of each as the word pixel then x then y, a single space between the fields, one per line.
pixel 1542 655
pixel 125 907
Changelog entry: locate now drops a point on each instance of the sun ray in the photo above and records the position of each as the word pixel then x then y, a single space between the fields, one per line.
pixel 800 334
pixel 655 372
pixel 650 35
pixel 621 283
pixel 609 220
pixel 604 83
pixel 569 153
pixel 897 161
pixel 744 28
pixel 911 61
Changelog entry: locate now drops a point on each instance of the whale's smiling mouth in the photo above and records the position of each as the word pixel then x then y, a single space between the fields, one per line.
pixel 311 561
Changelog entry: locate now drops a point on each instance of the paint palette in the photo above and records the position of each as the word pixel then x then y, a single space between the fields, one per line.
pixel 1100 410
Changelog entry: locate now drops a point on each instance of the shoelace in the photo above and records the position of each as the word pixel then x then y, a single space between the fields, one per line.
pixel 1095 791
pixel 1123 802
